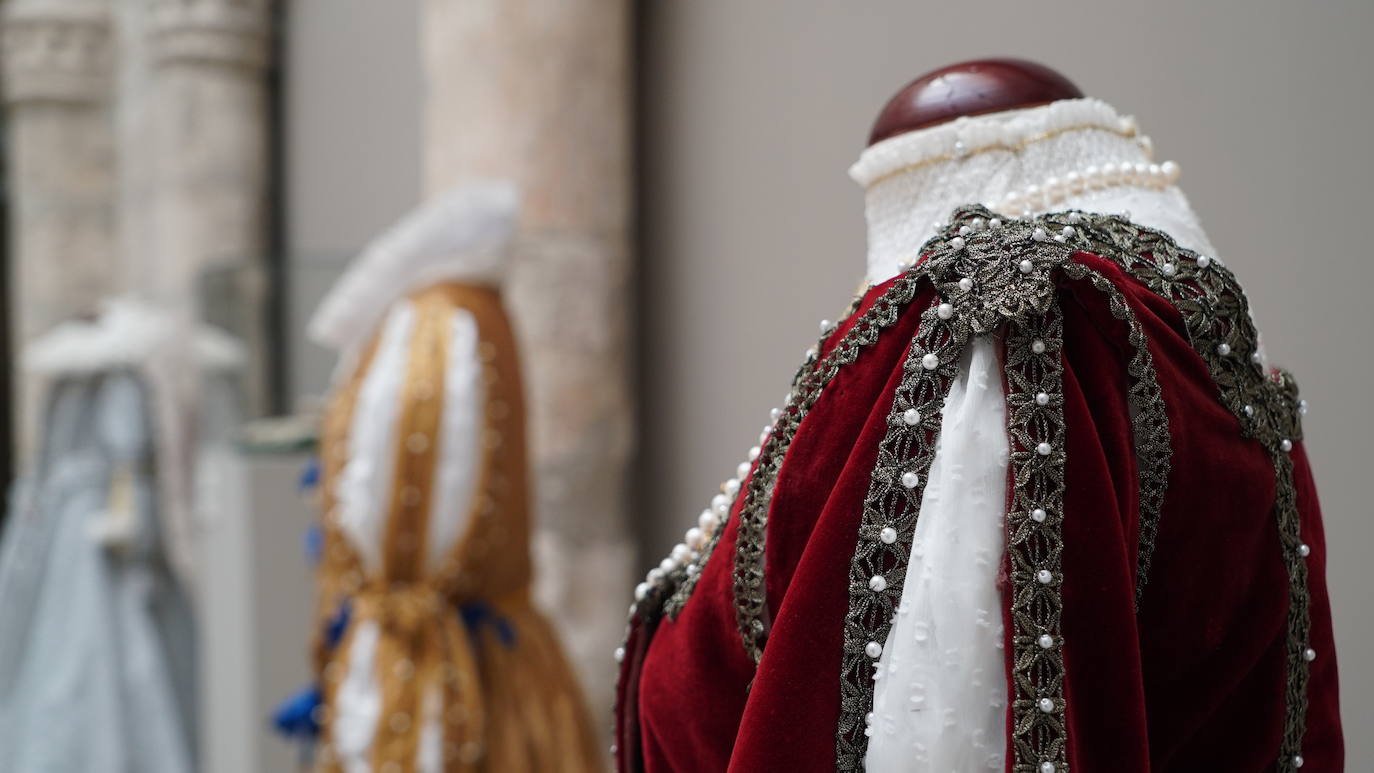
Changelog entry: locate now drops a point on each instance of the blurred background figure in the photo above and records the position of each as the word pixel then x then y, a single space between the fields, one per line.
pixel 431 657
pixel 97 640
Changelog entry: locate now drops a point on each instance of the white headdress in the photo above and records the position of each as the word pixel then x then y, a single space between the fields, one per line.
pixel 460 235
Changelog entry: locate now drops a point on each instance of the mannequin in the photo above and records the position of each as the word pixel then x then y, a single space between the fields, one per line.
pixel 1038 503
pixel 968 89
pixel 989 113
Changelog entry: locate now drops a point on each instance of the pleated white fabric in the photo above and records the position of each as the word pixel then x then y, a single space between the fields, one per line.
pixel 940 699
pixel 459 437
pixel 365 481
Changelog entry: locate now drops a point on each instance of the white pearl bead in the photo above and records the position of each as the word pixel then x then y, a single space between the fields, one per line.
pixel 1043 449
pixel 944 310
pixel 1298 760
pixel 1171 171
pixel 708 521
pixel 1302 407
pixel 1039 235
pixel 619 654
pixel 1304 550
pixel 1286 445
pixel 742 471
pixel 1074 182
pixel 930 361
pixel 694 538
pixel 965 230
pixel 1044 577
pixel 1142 172
pixel 1026 266
pixel 655 575
pixel 965 284
pixel 1046 705
pixel 1223 349
pixel 1092 176
pixel 1039 515
pixel 775 413
pixel 667 564
pixel 1203 261
pixel 977 223
pixel 873 649
pixel 957 242
pixel 1075 218
pixel 681 553
pixel 641 590
pixel 754 453
pixel 888 535
pixel 826 325
pixel 1256 358
pixel 719 501
pixel 877 583
pixel 1045 641
pixel 1309 654
pixel 732 487
pixel 911 417
pixel 1047 767
pixel 1042 399
pixel 910 479
pixel 995 223
pixel 1038 346
pixel 1168 269
pixel 1032 196
pixel 1067 231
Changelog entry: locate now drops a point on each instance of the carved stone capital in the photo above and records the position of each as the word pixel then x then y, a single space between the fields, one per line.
pixel 232 33
pixel 55 51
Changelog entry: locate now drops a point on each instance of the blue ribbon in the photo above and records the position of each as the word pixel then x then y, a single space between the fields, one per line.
pixel 310 476
pixel 297 716
pixel 479 613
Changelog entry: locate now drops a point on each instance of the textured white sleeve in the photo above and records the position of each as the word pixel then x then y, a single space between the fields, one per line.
pixel 460 439
pixel 358 703
pixel 364 488
pixel 940 695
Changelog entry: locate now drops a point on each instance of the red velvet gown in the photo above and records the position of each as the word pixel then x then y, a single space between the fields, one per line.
pixel 1164 578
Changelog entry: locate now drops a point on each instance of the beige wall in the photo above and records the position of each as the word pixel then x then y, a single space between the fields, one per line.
pixel 752 233
pixel 352 100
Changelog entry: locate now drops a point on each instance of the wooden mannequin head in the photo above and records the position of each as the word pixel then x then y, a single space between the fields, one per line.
pixel 970 88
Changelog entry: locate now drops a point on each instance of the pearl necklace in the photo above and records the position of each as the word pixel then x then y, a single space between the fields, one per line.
pixel 1094 178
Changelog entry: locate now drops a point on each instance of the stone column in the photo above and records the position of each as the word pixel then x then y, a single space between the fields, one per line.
pixel 208 132
pixel 538 91
pixel 56 59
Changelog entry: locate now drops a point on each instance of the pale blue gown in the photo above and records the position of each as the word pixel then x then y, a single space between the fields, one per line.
pixel 96 638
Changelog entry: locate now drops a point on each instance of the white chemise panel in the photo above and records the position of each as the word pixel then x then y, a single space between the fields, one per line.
pixel 940 693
